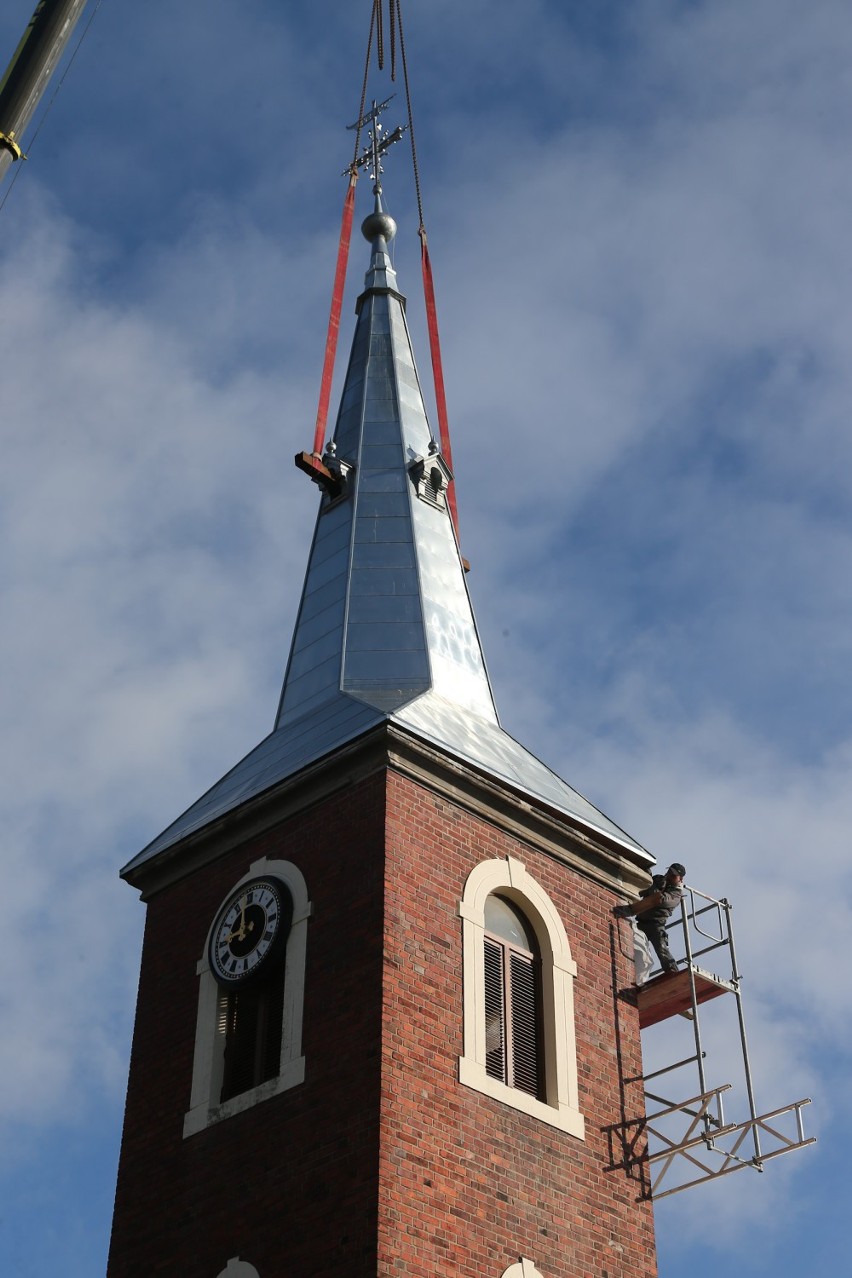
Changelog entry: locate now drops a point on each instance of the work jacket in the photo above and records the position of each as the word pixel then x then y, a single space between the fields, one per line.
pixel 671 897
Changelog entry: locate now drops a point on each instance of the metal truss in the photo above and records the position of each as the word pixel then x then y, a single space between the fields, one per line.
pixel 690 1142
pixel 708 1145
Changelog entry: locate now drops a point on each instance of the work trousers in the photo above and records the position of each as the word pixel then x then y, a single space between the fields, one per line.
pixel 659 938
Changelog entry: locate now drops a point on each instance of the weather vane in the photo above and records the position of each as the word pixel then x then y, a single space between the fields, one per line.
pixel 380 142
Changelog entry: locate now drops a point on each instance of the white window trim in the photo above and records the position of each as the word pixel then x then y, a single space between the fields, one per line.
pixel 523 1269
pixel 561 1107
pixel 209 1060
pixel 237 1268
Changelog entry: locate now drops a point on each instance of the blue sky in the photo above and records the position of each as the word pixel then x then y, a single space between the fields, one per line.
pixel 639 219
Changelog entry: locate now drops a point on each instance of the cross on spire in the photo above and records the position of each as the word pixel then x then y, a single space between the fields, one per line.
pixel 380 142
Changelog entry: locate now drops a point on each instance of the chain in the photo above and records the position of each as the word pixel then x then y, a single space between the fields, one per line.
pixel 376 5
pixel 395 28
pixel 421 229
pixel 380 32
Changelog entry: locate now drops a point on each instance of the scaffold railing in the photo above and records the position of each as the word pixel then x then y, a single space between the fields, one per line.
pixel 666 1154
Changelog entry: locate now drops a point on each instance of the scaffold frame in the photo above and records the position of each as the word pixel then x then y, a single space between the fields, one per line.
pixel 706 1147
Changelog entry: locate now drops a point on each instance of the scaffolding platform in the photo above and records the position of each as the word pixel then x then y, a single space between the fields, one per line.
pixel 671 994
pixel 670 1144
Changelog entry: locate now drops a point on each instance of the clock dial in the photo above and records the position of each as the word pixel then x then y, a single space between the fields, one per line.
pixel 248 932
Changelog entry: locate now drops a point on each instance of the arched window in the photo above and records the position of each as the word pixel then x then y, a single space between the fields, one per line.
pixel 519 1045
pixel 251 1020
pixel 248 1039
pixel 513 1039
pixel 523 1269
pixel 237 1268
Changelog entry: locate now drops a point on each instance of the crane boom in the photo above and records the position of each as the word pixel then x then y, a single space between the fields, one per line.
pixel 32 65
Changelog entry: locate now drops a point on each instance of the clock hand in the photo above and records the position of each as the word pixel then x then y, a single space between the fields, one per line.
pixel 240 934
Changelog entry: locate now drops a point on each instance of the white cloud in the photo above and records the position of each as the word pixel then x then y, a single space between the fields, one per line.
pixel 638 222
pixel 145 533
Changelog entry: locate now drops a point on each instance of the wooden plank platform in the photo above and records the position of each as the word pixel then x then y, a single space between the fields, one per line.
pixel 320 474
pixel 669 994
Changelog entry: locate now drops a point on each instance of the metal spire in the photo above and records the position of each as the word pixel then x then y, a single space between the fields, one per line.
pixel 385 632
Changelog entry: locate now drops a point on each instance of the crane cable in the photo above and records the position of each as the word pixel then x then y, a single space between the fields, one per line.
pixel 344 243
pixel 396 27
pixel 334 316
pixel 429 290
pixel 377 30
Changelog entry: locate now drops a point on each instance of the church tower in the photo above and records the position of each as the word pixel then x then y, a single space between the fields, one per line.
pixel 379 1026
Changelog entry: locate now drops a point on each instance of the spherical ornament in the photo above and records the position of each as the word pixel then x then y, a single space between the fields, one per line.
pixel 378 224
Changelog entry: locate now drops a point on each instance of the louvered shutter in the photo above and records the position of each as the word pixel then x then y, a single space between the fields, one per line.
pixel 270 1043
pixel 240 1030
pixel 252 1021
pixel 495 1004
pixel 525 1021
pixel 513 1008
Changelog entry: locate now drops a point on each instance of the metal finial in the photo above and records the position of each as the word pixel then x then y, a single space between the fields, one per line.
pixel 378 223
pixel 380 142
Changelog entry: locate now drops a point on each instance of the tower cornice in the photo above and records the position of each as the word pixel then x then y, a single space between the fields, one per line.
pixel 391 746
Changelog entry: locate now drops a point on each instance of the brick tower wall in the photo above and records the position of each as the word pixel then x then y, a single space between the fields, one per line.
pixel 291 1184
pixel 380 1162
pixel 467 1183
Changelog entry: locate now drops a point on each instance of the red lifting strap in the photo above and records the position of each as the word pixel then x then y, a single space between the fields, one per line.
pixel 334 317
pixel 438 372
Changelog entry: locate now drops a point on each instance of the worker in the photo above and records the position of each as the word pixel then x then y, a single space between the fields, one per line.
pixel 651 912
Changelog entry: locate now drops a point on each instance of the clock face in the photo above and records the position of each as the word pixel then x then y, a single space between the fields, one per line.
pixel 248 933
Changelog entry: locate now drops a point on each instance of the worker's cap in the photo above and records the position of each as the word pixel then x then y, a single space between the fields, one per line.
pixel 678 868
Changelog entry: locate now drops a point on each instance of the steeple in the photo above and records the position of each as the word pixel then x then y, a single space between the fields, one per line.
pixel 421 896
pixel 385 616
pixel 385 632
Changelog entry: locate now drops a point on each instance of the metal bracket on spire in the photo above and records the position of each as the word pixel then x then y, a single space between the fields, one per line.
pixel 329 472
pixel 371 156
pixel 7 141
